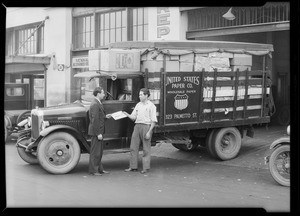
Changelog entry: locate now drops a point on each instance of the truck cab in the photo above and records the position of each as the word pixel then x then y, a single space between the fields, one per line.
pixel 58 135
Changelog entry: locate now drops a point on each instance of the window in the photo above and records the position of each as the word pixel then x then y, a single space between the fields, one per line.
pixel 108 27
pixel 119 89
pixel 84 32
pixel 25 40
pixel 38 89
pixel 15 91
pixel 112 27
pixel 139 24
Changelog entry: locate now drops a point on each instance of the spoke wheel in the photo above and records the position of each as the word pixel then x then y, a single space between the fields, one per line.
pixel 59 153
pixel 226 143
pixel 279 165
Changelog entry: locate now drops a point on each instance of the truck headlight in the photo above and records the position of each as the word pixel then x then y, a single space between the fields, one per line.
pixel 44 124
pixel 29 121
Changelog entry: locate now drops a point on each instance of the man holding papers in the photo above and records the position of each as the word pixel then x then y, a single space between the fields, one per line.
pixel 144 115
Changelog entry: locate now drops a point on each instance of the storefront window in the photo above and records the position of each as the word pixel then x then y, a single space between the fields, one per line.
pixel 15 91
pixel 140 24
pixel 112 27
pixel 84 32
pixel 25 40
pixel 129 24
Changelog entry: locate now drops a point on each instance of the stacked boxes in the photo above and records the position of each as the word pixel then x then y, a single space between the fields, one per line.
pixel 120 60
pixel 114 60
pixel 94 59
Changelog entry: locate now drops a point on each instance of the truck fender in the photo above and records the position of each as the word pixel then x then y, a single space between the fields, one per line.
pixel 73 131
pixel 280 141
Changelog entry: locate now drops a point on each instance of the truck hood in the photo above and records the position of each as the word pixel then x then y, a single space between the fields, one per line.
pixel 66 111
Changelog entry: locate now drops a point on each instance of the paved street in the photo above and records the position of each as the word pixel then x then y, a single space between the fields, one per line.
pixel 177 179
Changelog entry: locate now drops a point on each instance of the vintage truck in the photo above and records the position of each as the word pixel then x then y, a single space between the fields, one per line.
pixel 207 93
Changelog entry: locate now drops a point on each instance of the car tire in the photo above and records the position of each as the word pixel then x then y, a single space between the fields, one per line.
pixel 282 179
pixel 59 152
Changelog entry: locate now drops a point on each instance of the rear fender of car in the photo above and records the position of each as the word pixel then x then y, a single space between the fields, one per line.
pixel 68 129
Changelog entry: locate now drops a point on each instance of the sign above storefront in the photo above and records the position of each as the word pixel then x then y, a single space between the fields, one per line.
pixel 165 23
pixel 80 62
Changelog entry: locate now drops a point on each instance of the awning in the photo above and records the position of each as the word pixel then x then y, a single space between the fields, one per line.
pixel 26 64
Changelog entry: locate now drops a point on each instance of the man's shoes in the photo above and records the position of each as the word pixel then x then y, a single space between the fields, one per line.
pixel 130 170
pixel 104 172
pixel 144 171
pixel 96 174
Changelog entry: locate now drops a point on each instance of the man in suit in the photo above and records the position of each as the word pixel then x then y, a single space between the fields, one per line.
pixel 96 130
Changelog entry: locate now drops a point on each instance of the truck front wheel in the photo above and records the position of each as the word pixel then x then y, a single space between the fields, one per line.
pixel 28 157
pixel 226 143
pixel 59 152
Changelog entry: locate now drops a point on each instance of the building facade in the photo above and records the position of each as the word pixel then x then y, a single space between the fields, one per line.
pixel 65 35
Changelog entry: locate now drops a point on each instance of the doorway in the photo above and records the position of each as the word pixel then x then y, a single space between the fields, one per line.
pixel 36 89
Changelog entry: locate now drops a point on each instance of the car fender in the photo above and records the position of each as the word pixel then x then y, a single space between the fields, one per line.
pixel 72 130
pixel 280 141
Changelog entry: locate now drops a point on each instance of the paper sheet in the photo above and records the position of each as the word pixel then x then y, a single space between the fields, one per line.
pixel 118 115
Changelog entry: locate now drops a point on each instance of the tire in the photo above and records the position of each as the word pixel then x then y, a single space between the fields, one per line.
pixel 280 176
pixel 209 143
pixel 226 143
pixel 23 116
pixel 183 147
pixel 28 157
pixel 58 153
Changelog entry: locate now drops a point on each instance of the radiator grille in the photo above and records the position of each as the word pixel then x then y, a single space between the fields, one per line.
pixel 72 123
pixel 35 132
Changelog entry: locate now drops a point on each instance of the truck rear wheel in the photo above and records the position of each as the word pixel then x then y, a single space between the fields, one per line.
pixel 226 143
pixel 59 152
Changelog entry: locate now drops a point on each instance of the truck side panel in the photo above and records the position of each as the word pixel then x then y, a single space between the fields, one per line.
pixel 196 100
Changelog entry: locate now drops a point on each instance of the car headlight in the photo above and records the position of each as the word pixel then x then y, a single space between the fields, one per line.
pixel 288 130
